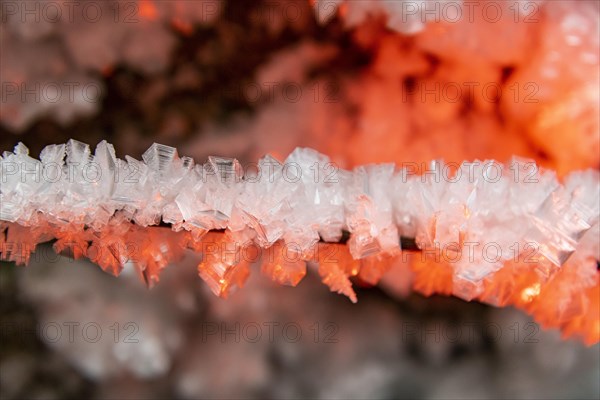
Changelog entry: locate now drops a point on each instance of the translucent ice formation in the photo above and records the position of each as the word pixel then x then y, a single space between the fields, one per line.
pixel 502 234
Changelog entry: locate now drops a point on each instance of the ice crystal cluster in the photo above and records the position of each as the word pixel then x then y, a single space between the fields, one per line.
pixel 502 234
pixel 542 57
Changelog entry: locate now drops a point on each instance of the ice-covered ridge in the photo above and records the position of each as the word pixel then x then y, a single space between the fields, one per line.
pixel 500 233
pixel 306 198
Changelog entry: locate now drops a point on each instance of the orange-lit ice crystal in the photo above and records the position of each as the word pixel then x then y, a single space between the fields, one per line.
pixel 373 268
pixel 334 276
pixel 329 253
pixel 283 265
pixel 221 277
pixel 543 232
pixel 221 267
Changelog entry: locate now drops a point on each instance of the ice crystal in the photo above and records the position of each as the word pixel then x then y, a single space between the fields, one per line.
pixel 485 232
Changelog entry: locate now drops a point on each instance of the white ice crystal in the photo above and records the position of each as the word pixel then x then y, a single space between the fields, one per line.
pixel 307 199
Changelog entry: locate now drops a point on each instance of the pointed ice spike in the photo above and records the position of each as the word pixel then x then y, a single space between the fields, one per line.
pixel 78 152
pixel 268 168
pixel 105 156
pixel 54 153
pixel 159 157
pixel 106 161
pixel 333 276
pixel 20 148
pixel 227 170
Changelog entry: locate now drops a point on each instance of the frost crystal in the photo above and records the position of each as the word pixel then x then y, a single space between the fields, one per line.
pixel 485 232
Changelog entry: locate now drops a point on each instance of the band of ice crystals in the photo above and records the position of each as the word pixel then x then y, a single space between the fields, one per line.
pixel 307 199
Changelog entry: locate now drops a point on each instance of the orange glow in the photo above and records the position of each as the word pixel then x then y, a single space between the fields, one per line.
pixel 183 27
pixel 148 10
pixel 530 293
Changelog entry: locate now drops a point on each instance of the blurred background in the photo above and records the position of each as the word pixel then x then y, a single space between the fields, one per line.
pixel 362 81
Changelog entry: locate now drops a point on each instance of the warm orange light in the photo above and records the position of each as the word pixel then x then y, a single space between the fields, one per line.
pixel 147 10
pixel 531 292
